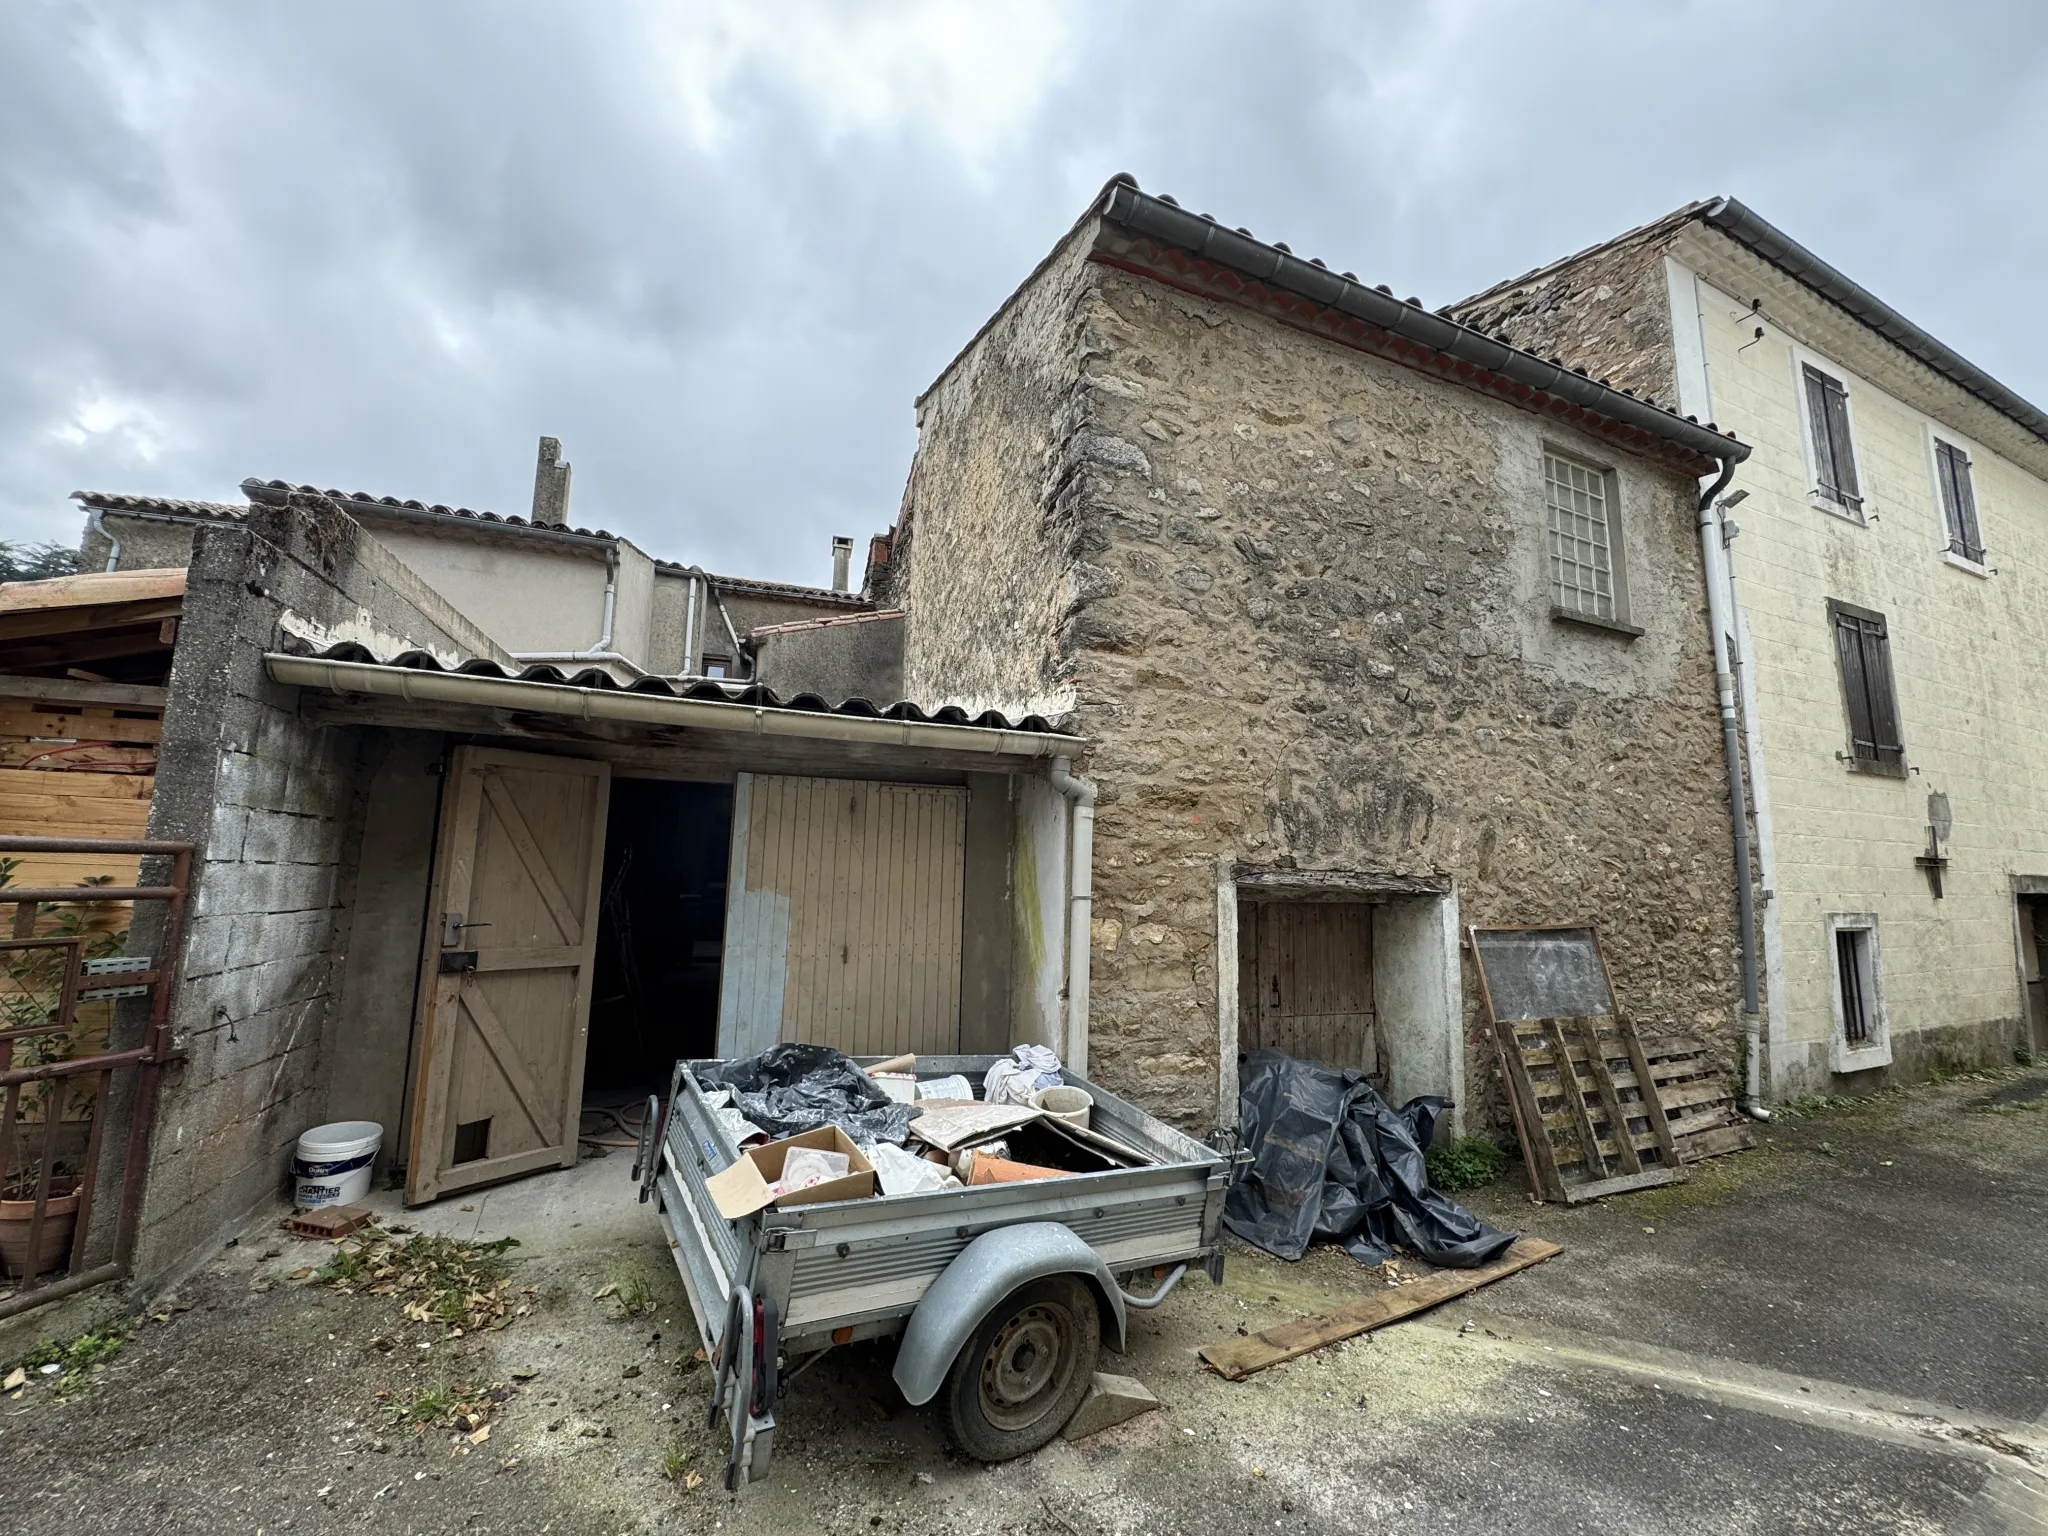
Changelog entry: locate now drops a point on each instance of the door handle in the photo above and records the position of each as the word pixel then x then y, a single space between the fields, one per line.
pixel 452 926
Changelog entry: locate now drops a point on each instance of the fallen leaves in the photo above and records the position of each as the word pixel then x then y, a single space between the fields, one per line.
pixel 439 1280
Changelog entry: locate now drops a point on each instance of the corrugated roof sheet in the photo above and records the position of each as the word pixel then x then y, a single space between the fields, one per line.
pixel 120 501
pixel 713 690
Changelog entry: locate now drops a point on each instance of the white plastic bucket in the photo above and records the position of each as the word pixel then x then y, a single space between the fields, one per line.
pixel 331 1165
pixel 1065 1102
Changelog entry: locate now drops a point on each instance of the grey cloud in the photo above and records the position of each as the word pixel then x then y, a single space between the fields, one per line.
pixel 386 246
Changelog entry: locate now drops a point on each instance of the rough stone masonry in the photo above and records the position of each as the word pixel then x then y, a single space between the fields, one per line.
pixel 1298 596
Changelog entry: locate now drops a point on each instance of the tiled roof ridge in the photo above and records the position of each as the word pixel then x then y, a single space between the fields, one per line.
pixel 125 501
pixel 274 491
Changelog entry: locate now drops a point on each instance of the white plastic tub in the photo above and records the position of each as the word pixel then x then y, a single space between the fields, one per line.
pixel 331 1165
pixel 1066 1102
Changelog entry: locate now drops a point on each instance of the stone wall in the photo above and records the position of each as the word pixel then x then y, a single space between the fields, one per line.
pixel 984 558
pixel 1308 624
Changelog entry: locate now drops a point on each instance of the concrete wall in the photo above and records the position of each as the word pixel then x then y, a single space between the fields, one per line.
pixel 1301 608
pixel 527 594
pixel 371 1025
pixel 145 545
pixel 275 805
pixel 1038 917
pixel 837 659
pixel 985 954
pixel 1965 653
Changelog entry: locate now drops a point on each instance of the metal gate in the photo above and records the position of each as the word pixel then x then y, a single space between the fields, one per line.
pixel 69 1087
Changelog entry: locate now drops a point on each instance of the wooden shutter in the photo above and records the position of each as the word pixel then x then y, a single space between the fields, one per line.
pixel 1827 404
pixel 1958 501
pixel 1863 647
pixel 843 916
pixel 505 989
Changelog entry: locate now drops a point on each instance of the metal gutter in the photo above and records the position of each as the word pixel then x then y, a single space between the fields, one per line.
pixel 1124 205
pixel 1788 255
pixel 654 709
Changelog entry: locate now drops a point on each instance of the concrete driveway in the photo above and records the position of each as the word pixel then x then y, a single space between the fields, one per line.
pixel 1838 1332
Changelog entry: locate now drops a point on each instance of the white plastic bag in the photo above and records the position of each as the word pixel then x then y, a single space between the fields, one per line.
pixel 905 1173
pixel 1022 1073
pixel 803 1167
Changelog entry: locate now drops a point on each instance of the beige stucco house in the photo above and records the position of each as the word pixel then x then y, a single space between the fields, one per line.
pixel 1887 596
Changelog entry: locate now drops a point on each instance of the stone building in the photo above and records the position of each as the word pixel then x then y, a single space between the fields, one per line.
pixel 1378 628
pixel 1882 588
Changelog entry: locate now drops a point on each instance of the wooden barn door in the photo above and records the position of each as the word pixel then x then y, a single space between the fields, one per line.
pixel 1305 982
pixel 843 916
pixel 505 991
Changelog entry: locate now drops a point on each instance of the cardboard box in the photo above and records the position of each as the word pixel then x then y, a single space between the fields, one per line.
pixel 743 1189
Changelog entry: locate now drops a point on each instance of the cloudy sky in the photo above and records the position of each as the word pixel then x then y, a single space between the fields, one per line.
pixel 718 248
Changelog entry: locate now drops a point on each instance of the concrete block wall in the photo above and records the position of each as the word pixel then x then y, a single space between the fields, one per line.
pixel 276 806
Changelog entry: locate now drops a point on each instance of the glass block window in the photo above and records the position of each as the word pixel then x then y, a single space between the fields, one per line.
pixel 1581 538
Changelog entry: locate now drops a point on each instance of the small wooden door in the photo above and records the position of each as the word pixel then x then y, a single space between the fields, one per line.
pixel 843 916
pixel 1305 982
pixel 505 985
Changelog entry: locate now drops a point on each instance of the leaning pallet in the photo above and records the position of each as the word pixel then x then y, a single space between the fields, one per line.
pixel 1697 1098
pixel 1582 1093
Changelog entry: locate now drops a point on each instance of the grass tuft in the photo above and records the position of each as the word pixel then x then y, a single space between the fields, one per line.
pixel 1467 1163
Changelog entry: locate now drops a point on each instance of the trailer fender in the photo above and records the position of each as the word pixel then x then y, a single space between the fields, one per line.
pixel 987 1270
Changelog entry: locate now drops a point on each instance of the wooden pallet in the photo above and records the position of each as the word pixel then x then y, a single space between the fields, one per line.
pixel 1587 1127
pixel 1698 1100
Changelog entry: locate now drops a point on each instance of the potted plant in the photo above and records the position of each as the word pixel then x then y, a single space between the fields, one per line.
pixel 17 1215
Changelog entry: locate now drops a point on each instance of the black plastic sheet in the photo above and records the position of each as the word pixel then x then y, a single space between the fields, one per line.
pixel 789 1089
pixel 1331 1162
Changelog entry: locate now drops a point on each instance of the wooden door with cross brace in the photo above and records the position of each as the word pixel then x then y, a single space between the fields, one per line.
pixel 505 979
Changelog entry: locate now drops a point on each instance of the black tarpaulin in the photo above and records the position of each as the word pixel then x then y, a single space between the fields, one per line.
pixel 789 1089
pixel 1332 1162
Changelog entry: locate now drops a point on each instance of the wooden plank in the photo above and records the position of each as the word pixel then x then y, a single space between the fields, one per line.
pixel 1574 1095
pixel 1621 1184
pixel 94 589
pixel 1546 1180
pixel 1693 1093
pixel 1617 1122
pixel 77 757
pixel 97 722
pixel 1716 1141
pixel 78 691
pixel 1235 1358
pixel 510 1063
pixel 71 621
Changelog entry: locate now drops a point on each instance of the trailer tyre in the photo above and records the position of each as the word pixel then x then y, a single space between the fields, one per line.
pixel 1025 1369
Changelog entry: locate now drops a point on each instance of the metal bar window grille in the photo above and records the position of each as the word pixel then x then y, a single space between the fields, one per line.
pixel 1851 957
pixel 1581 556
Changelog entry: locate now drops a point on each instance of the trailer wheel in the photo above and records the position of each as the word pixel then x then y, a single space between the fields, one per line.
pixel 1024 1369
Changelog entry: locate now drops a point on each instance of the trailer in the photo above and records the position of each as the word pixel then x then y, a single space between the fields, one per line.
pixel 1002 1294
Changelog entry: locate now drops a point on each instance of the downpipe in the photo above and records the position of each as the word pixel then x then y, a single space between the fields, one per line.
pixel 1713 555
pixel 602 651
pixel 1080 796
pixel 97 523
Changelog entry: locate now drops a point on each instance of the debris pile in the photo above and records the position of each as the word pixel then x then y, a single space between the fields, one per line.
pixel 460 1285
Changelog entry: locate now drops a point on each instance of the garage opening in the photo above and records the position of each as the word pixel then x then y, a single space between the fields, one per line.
pixel 661 926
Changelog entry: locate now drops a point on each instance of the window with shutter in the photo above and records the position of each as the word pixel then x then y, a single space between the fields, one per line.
pixel 1958 501
pixel 1863 648
pixel 1834 457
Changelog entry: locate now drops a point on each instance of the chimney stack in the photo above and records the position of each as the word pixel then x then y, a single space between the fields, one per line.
pixel 842 560
pixel 551 486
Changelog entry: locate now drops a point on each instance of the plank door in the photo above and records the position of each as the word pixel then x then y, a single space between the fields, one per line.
pixel 505 986
pixel 843 916
pixel 1305 982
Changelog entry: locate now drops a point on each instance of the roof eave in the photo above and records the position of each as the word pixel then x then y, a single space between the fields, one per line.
pixel 1746 227
pixel 1142 214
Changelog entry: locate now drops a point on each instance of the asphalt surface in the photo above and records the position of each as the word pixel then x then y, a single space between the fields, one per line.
pixel 1831 1333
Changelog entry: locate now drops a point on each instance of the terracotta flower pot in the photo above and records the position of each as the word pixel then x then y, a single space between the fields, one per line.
pixel 60 1221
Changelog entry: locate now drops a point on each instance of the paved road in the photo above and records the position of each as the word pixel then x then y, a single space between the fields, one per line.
pixel 1835 1333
